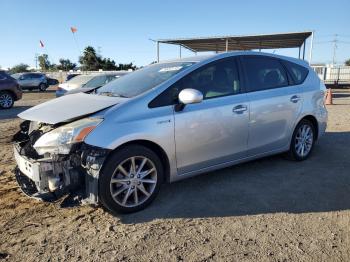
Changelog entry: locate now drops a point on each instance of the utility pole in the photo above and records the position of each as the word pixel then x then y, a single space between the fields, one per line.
pixel 335 47
pixel 36 60
pixel 311 47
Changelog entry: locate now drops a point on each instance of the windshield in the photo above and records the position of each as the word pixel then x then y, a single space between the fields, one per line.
pixel 82 79
pixel 16 76
pixel 143 79
pixel 97 81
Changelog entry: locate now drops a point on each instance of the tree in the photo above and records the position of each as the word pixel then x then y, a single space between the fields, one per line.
pixel 126 66
pixel 66 65
pixel 347 62
pixel 44 62
pixel 90 61
pixel 19 68
pixel 108 64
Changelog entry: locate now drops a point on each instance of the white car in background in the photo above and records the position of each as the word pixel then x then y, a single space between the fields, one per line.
pixel 87 83
pixel 73 83
pixel 97 82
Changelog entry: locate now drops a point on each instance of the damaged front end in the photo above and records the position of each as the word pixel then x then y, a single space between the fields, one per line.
pixel 53 160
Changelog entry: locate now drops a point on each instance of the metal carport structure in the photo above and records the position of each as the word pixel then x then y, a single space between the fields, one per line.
pixel 244 42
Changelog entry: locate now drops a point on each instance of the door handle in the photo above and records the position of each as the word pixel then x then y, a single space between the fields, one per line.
pixel 295 99
pixel 239 109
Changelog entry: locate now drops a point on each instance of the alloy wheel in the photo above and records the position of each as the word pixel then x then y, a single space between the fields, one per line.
pixel 304 140
pixel 42 87
pixel 133 181
pixel 6 100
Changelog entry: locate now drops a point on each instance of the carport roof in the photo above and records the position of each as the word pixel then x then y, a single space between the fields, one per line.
pixel 244 42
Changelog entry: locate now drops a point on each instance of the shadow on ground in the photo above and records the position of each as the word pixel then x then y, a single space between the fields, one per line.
pixel 269 185
pixel 6 114
pixel 38 91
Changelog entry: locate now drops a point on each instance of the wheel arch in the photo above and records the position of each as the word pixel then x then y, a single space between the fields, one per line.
pixel 10 92
pixel 313 120
pixel 13 94
pixel 155 148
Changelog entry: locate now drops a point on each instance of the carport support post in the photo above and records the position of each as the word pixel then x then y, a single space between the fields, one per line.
pixel 180 51
pixel 311 47
pixel 304 51
pixel 299 52
pixel 157 51
pixel 226 45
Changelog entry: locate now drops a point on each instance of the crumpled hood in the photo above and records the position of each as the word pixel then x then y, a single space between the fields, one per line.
pixel 67 108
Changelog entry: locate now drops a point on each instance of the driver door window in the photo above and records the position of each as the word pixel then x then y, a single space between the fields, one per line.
pixel 217 79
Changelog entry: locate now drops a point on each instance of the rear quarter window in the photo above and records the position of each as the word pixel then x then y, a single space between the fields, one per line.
pixel 297 72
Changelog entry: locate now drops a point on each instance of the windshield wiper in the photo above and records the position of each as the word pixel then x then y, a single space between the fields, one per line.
pixel 112 94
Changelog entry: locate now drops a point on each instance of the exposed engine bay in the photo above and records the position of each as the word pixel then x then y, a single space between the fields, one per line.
pixel 51 175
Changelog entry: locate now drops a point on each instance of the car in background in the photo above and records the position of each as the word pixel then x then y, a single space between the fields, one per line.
pixel 52 81
pixel 97 82
pixel 30 81
pixel 10 91
pixel 86 83
pixel 70 76
pixel 76 82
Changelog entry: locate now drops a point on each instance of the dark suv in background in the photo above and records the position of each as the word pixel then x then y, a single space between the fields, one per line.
pixel 10 91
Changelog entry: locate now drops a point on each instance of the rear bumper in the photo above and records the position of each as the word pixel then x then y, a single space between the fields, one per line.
pixel 322 118
pixel 18 93
pixel 322 129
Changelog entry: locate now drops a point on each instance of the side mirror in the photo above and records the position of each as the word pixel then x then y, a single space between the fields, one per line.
pixel 190 96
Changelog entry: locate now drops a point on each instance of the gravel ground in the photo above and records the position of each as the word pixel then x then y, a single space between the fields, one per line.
pixel 267 210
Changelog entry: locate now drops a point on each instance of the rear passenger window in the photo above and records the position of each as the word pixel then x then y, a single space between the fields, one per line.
pixel 298 72
pixel 31 76
pixel 36 76
pixel 264 73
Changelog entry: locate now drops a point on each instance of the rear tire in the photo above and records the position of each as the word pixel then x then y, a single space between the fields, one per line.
pixel 130 179
pixel 303 141
pixel 6 100
pixel 42 87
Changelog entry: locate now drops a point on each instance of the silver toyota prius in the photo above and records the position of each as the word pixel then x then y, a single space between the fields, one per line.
pixel 165 122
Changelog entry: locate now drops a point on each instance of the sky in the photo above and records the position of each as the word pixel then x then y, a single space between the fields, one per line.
pixel 121 30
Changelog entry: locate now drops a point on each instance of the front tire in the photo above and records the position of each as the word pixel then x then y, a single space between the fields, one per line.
pixel 130 179
pixel 6 100
pixel 303 141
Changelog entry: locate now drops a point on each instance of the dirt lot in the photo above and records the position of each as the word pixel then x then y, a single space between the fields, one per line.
pixel 267 210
